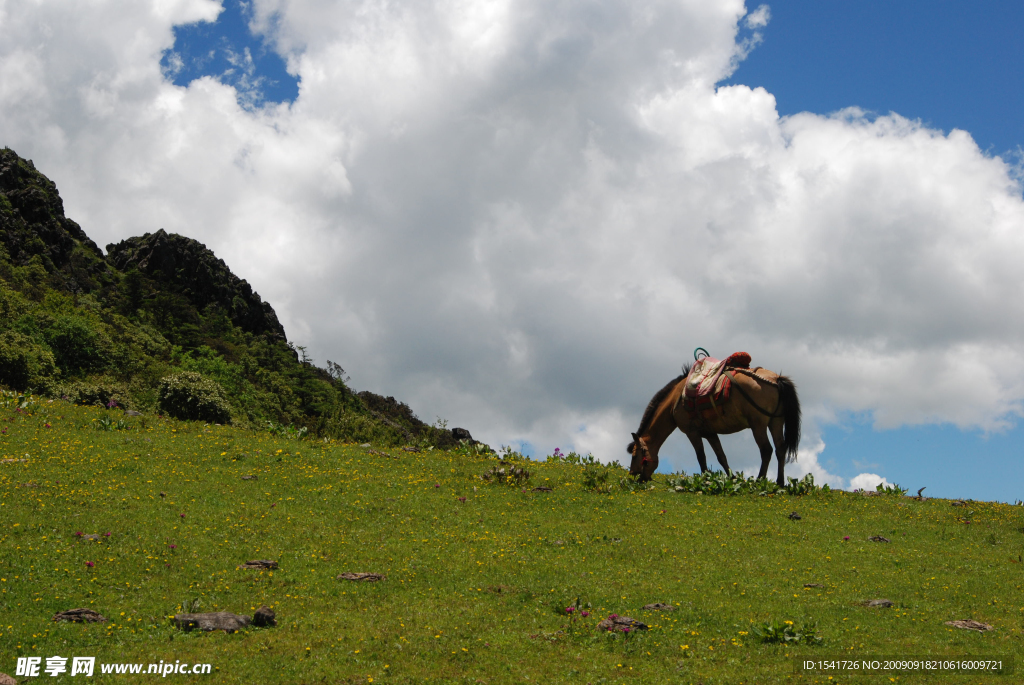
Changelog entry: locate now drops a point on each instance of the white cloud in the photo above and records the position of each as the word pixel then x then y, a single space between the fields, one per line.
pixel 524 216
pixel 868 481
pixel 759 18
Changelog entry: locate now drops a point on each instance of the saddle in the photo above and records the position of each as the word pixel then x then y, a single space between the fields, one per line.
pixel 707 387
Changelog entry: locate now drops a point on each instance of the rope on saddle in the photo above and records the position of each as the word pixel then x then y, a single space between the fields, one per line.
pixel 778 405
pixel 754 374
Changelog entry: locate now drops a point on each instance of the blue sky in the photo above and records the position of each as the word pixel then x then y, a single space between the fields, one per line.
pixel 230 52
pixel 523 216
pixel 950 64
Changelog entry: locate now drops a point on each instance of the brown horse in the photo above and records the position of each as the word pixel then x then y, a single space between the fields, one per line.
pixel 761 400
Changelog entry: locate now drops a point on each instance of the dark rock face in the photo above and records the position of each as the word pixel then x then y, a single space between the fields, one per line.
pixel 186 267
pixel 33 229
pixel 264 617
pixel 460 434
pixel 217 620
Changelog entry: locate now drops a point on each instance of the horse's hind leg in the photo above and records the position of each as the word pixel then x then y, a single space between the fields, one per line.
pixel 777 437
pixel 698 447
pixel 761 438
pixel 716 445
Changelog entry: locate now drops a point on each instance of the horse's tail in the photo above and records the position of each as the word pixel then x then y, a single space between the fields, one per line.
pixel 791 417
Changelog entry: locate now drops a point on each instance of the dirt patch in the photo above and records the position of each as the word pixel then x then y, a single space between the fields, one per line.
pixel 878 538
pixel 878 603
pixel 260 564
pixel 80 616
pixel 621 624
pixel 969 624
pixel 362 577
pixel 218 620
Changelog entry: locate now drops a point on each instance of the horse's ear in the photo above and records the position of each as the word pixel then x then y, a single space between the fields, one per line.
pixel 636 438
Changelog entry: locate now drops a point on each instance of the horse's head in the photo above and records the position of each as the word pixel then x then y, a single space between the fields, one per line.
pixel 643 463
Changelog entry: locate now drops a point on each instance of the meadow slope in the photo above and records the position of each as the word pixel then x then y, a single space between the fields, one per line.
pixel 478 575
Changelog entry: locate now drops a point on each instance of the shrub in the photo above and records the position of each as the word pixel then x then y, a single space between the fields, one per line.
pixel 506 474
pixel 76 345
pixel 24 363
pixel 191 397
pixel 103 393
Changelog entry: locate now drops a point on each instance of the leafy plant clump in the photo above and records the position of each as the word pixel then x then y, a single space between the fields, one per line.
pixel 506 474
pixel 191 397
pixel 786 632
pixel 720 483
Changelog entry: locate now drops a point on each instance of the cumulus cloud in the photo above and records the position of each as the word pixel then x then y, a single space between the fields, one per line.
pixel 868 481
pixel 523 216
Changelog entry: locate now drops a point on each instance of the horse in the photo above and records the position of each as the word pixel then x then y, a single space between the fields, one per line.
pixel 763 401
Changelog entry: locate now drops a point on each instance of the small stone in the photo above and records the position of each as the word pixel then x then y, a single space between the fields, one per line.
pixel 365 444
pixel 541 488
pixel 813 585
pixel 250 477
pixel 79 616
pixel 362 577
pixel 959 503
pixel 878 538
pixel 621 624
pixel 132 412
pixel 262 564
pixel 13 461
pixel 91 536
pixel 969 624
pixel 7 680
pixel 264 617
pixel 658 606
pixel 410 448
pixel 878 603
pixel 217 620
pixel 795 516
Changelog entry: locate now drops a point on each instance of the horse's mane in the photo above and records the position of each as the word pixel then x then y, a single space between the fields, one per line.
pixel 648 416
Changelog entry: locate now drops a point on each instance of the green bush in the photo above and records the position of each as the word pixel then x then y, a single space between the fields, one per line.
pixel 75 344
pixel 190 396
pixel 24 363
pixel 103 392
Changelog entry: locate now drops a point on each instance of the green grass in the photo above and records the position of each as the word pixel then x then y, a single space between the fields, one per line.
pixel 475 590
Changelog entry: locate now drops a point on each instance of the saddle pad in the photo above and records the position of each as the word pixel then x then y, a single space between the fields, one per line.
pixel 705 379
pixel 706 386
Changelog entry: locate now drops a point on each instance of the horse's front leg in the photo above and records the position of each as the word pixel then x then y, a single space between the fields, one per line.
pixel 698 447
pixel 716 445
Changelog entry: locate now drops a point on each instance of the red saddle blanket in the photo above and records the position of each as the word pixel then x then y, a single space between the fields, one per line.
pixel 707 386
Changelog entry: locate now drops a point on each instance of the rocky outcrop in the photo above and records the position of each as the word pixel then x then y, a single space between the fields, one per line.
pixel 186 267
pixel 35 233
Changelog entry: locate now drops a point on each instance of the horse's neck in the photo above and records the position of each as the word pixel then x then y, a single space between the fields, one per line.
pixel 663 422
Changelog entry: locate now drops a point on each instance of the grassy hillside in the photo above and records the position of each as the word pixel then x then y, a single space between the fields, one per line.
pixel 161 325
pixel 478 574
